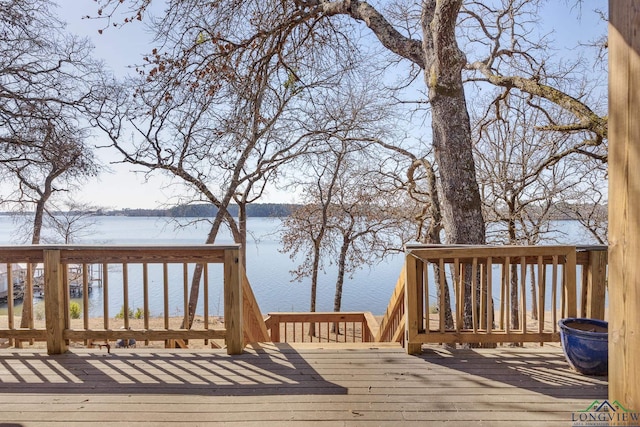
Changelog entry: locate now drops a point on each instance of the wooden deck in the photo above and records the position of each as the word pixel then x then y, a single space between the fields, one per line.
pixel 355 385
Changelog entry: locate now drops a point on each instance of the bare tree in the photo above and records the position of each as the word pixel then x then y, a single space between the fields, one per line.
pixel 500 51
pixel 521 189
pixel 421 185
pixel 48 84
pixel 306 229
pixel 588 201
pixel 221 129
pixel 519 185
pixel 510 56
pixel 70 220
pixel 364 221
pixel 315 26
pixel 537 127
pixel 46 167
pixel 343 218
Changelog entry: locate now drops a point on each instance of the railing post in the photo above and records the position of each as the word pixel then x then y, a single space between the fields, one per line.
pixel 54 302
pixel 596 280
pixel 571 304
pixel 233 301
pixel 411 305
pixel 275 329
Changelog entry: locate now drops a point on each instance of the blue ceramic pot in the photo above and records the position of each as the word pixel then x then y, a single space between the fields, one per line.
pixel 585 343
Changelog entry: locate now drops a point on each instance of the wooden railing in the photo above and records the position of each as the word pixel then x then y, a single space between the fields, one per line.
pixel 392 324
pixel 491 292
pixel 413 316
pixel 59 329
pixel 330 327
pixel 594 263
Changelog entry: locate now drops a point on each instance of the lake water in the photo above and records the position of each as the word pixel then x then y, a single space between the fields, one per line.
pixel 268 270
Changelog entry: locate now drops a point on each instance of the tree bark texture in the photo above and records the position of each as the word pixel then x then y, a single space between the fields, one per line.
pixel 45 194
pixel 342 260
pixel 221 216
pixel 451 126
pixel 534 292
pixel 433 237
pixel 442 61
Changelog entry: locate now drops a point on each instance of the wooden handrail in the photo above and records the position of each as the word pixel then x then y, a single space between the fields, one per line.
pixel 58 260
pixel 370 327
pixel 594 261
pixel 490 318
pixel 295 326
pixel 390 323
pixel 406 315
pixel 255 328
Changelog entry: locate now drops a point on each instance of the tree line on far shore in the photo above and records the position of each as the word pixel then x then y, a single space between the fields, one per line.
pixel 560 212
pixel 204 210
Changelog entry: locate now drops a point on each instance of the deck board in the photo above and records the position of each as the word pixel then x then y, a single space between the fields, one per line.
pixel 298 385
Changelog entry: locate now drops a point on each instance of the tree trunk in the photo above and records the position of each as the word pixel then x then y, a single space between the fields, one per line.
pixel 534 293
pixel 38 219
pixel 462 209
pixel 433 236
pixel 461 202
pixel 314 283
pixel 515 307
pixel 342 259
pixel 242 228
pixel 222 215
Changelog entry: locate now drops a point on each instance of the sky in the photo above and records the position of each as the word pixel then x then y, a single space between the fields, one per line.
pixel 121 187
pixel 118 186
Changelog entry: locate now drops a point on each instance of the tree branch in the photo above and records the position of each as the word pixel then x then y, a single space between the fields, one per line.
pixel 362 11
pixel 588 119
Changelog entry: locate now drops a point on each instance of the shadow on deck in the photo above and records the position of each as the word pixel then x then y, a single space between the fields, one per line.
pixel 541 370
pixel 305 385
pixel 210 373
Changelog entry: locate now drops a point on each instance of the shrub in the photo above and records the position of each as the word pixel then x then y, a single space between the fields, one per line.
pixel 74 310
pixel 120 314
pixel 38 311
pixel 139 314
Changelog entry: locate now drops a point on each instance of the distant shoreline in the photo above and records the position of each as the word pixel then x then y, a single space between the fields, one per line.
pixel 259 210
pixel 254 210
